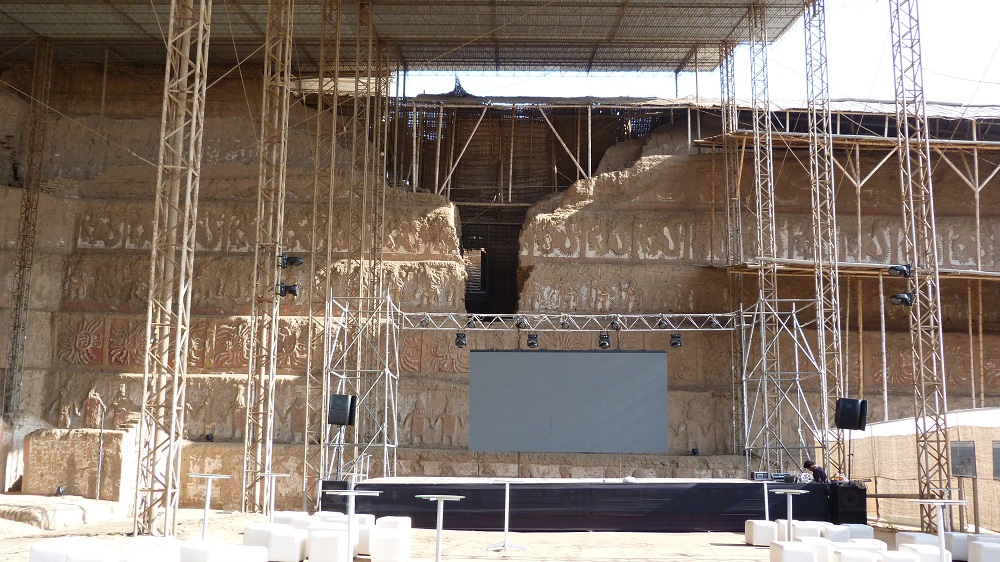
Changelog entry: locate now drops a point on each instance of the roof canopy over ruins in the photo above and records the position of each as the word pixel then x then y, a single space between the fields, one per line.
pixel 495 35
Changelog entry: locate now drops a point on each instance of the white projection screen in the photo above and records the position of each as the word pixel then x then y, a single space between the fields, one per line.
pixel 568 401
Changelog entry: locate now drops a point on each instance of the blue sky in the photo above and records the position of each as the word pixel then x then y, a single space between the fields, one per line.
pixel 961 57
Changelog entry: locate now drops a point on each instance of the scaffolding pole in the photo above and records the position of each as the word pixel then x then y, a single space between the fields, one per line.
pixel 920 234
pixel 24 257
pixel 824 218
pixel 317 431
pixel 767 442
pixel 259 434
pixel 161 426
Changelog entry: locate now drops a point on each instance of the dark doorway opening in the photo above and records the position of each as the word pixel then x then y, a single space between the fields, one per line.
pixel 490 247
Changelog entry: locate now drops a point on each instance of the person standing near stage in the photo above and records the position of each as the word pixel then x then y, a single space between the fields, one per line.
pixel 819 475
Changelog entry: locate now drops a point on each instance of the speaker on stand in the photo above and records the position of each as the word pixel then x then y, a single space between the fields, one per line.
pixel 342 411
pixel 851 414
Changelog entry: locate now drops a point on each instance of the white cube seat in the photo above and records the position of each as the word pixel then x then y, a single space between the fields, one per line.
pixel 859 531
pixel 824 547
pixel 806 529
pixel 913 537
pixel 363 542
pixel 239 553
pixel 839 533
pixel 300 520
pixel 758 532
pixel 151 549
pixel 926 552
pixel 985 538
pixel 984 551
pixel 331 516
pixel 259 533
pixel 283 517
pixel 854 556
pixel 389 544
pixel 957 544
pixel 93 553
pixel 394 522
pixel 328 546
pixel 365 518
pixel 55 550
pixel 868 545
pixel 287 544
pixel 199 550
pixel 896 556
pixel 782 529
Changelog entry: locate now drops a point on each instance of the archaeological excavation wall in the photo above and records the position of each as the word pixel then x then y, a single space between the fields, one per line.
pixel 645 236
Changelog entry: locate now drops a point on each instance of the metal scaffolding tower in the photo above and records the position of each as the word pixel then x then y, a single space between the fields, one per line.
pixel 824 214
pixel 259 434
pixel 365 352
pixel 24 257
pixel 316 433
pixel 920 235
pixel 171 269
pixel 767 443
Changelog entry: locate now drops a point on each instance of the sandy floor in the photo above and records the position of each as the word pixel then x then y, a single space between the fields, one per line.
pixel 459 546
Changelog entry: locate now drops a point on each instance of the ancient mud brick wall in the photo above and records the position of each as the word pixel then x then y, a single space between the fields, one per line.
pixel 647 236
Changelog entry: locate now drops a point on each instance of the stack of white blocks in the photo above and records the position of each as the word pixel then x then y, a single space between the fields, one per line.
pixel 296 536
pixel 142 549
pixel 856 543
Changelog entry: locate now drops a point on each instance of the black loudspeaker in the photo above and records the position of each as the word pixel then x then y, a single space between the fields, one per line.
pixel 343 409
pixel 851 414
pixel 848 504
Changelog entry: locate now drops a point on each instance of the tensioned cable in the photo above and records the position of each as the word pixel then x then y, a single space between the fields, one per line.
pixel 239 65
pixel 67 117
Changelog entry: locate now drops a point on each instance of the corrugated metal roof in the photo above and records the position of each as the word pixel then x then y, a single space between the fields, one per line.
pixel 611 35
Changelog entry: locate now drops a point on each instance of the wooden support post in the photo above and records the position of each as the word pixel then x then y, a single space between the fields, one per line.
pixel 104 82
pixel 413 158
pixel 885 363
pixel 462 152
pixel 590 142
pixel 437 147
pixel 563 144
pixel 510 170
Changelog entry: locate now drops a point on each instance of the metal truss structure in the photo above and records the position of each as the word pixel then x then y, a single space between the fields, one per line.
pixel 766 444
pixel 920 247
pixel 770 395
pixel 317 431
pixel 259 434
pixel 568 322
pixel 24 257
pixel 824 213
pixel 161 428
pixel 363 352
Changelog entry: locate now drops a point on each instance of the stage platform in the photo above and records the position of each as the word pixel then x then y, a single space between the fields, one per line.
pixel 631 504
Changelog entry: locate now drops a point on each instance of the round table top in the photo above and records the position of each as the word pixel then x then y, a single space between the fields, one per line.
pixel 440 497
pixel 930 501
pixel 790 491
pixel 198 475
pixel 353 492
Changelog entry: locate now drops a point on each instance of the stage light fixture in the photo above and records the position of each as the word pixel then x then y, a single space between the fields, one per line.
pixel 461 340
pixel 521 323
pixel 675 340
pixel 290 261
pixel 285 290
pixel 902 299
pixel 425 321
pixel 905 271
pixel 604 340
pixel 471 322
pixel 533 340
pixel 662 322
pixel 714 322
pixel 564 323
pixel 615 324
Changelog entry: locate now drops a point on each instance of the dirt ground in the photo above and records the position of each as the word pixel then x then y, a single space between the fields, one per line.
pixel 459 546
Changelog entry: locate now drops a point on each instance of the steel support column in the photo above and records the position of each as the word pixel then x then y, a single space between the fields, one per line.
pixel 766 248
pixel 920 233
pixel 259 434
pixel 316 431
pixel 161 428
pixel 824 218
pixel 24 257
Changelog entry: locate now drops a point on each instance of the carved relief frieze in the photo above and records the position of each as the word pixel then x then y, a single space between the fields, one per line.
pixel 440 355
pixel 81 340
